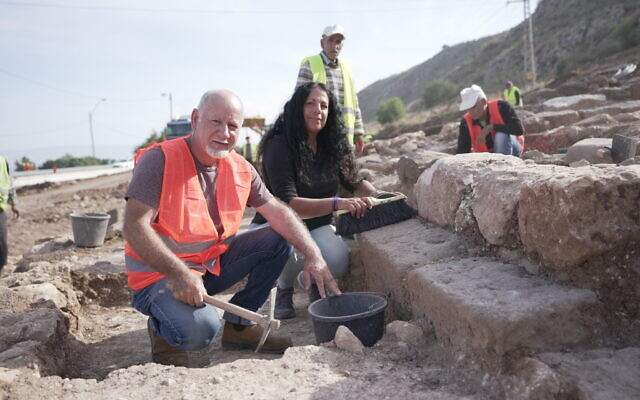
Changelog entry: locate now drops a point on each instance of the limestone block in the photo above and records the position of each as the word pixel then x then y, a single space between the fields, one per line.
pixel 600 119
pixel 535 124
pixel 390 252
pixel 410 167
pixel 441 188
pixel 559 118
pixel 627 117
pixel 553 141
pixel 34 338
pixel 346 340
pixel 615 93
pixel 450 130
pixel 531 379
pixel 612 109
pixel 50 246
pixel 577 102
pixel 406 332
pixel 573 88
pixel 495 201
pixel 634 91
pixel 487 309
pixel 623 148
pixel 575 214
pixel 599 374
pixel 594 150
pixel 540 95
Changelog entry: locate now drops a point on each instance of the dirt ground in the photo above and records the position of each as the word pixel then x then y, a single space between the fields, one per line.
pixel 110 354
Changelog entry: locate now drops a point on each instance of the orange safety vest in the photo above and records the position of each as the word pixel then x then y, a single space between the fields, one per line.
pixel 183 222
pixel 495 118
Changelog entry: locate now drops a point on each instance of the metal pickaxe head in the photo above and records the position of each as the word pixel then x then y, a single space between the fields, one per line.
pixel 269 322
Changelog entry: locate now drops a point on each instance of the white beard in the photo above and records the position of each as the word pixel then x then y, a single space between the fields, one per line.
pixel 218 153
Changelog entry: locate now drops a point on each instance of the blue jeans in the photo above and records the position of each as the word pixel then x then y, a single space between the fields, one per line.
pixel 334 251
pixel 260 253
pixel 506 144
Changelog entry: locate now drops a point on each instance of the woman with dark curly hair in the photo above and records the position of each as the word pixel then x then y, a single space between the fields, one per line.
pixel 305 158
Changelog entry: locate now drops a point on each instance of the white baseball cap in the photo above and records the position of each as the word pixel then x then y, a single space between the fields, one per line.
pixel 333 30
pixel 470 97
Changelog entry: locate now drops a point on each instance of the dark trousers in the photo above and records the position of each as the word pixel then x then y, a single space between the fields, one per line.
pixel 258 254
pixel 4 247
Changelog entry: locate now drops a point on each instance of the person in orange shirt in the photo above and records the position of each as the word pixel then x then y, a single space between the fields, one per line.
pixel 184 207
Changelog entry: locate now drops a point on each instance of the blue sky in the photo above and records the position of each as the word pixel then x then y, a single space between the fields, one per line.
pixel 58 58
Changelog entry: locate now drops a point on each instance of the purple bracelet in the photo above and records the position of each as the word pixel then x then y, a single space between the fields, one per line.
pixel 334 204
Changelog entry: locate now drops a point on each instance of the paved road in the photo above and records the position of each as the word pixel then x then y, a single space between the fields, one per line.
pixel 21 179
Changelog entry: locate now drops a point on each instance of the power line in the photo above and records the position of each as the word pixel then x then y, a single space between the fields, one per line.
pixel 44 132
pixel 74 93
pixel 50 87
pixel 228 12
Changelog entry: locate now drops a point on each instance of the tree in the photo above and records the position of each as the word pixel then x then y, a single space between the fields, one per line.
pixel 24 164
pixel 438 92
pixel 155 137
pixel 391 110
pixel 68 161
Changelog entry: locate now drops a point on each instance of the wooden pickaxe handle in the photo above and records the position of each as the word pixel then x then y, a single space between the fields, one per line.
pixel 237 310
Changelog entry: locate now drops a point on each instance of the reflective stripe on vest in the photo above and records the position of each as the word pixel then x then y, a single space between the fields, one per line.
pixel 5 184
pixel 495 118
pixel 349 100
pixel 510 95
pixel 183 222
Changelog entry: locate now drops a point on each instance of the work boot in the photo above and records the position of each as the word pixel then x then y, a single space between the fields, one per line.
pixel 238 337
pixel 284 304
pixel 163 353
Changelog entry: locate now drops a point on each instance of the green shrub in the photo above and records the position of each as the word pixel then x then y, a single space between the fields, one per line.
pixel 438 92
pixel 628 32
pixel 391 110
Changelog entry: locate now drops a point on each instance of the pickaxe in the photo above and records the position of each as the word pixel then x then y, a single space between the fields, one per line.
pixel 265 321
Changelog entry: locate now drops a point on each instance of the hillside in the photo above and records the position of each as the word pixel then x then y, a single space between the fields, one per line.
pixel 567 33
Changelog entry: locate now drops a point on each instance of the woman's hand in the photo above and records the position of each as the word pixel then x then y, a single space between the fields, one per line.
pixel 357 206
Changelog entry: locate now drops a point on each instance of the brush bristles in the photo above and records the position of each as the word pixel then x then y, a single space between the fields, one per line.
pixel 378 216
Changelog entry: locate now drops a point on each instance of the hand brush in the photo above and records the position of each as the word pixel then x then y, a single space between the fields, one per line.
pixel 388 208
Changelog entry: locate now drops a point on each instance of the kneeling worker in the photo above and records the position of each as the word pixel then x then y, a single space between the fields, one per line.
pixel 488 126
pixel 184 207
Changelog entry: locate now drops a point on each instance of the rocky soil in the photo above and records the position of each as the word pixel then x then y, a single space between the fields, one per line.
pixel 67 330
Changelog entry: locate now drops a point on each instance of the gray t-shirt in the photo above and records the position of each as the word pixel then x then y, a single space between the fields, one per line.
pixel 146 184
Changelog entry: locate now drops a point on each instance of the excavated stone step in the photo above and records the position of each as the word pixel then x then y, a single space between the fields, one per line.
pixel 601 374
pixel 487 310
pixel 389 253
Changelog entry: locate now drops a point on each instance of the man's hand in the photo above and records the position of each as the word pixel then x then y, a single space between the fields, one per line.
pixel 318 270
pixel 359 143
pixel 188 288
pixel 16 213
pixel 357 206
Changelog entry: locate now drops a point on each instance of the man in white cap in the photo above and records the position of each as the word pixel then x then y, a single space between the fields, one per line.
pixel 488 125
pixel 326 68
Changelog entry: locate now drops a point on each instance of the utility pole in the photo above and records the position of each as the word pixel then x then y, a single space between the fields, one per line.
pixel 93 146
pixel 170 104
pixel 529 49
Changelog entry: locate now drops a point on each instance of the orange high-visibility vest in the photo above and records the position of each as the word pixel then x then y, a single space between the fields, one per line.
pixel 495 118
pixel 183 222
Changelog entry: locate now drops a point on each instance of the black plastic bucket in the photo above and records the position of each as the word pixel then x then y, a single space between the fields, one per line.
pixel 361 312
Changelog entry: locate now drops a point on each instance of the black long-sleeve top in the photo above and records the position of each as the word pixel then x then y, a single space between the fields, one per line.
pixel 512 126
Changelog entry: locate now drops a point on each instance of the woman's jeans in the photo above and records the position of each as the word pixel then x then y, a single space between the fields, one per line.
pixel 259 253
pixel 334 251
pixel 506 144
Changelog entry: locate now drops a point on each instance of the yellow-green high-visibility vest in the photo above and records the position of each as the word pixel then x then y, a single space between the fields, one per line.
pixel 510 95
pixel 5 184
pixel 349 100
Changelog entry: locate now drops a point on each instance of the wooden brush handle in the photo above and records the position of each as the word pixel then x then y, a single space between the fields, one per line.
pixel 376 202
